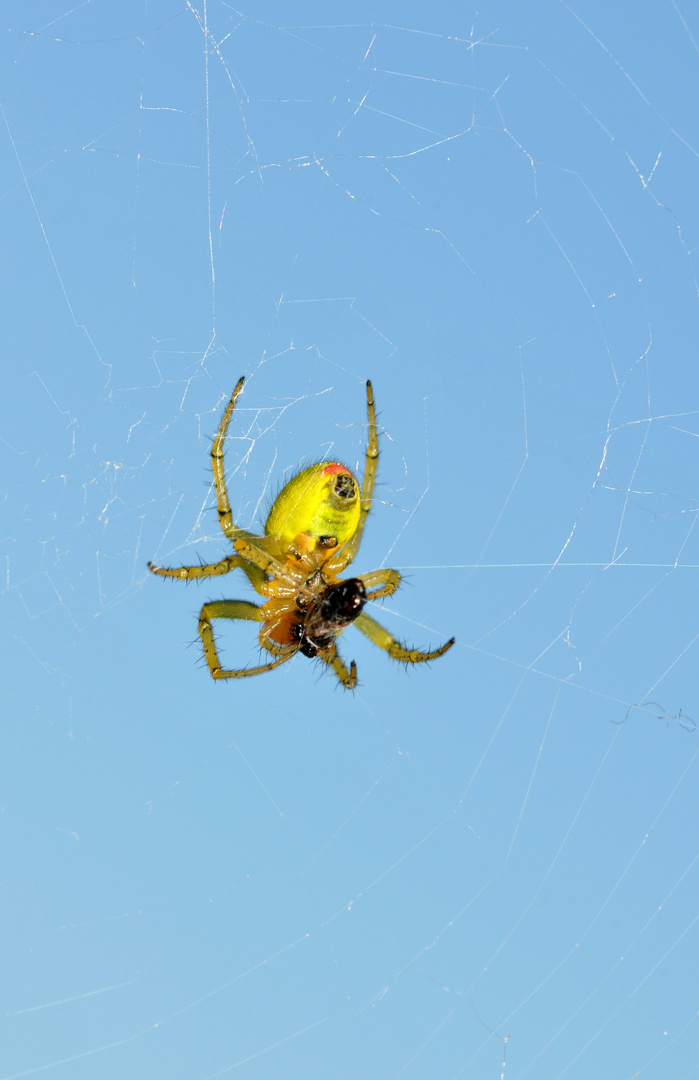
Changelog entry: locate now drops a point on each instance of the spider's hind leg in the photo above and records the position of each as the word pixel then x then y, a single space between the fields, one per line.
pixel 332 658
pixel 381 637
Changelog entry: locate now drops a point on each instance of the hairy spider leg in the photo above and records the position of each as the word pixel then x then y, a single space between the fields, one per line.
pixel 225 517
pixel 254 560
pixel 204 570
pixel 349 551
pixel 332 658
pixel 254 550
pixel 231 609
pixel 381 637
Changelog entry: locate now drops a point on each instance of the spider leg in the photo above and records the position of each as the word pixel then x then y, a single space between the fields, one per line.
pixel 205 570
pixel 274 647
pixel 387 580
pixel 256 553
pixel 381 637
pixel 254 550
pixel 371 464
pixel 349 551
pixel 225 517
pixel 332 658
pixel 230 609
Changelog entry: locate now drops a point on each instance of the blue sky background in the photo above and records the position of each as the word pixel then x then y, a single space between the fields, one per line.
pixel 488 868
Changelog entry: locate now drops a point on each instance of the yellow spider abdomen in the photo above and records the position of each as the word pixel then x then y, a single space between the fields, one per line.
pixel 320 503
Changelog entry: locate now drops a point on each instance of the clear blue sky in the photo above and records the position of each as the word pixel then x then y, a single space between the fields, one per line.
pixel 483 870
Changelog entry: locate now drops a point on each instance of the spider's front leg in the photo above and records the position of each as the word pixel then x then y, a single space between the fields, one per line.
pixel 231 609
pixel 225 516
pixel 371 463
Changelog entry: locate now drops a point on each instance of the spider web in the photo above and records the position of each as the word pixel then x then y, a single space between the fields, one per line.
pixel 485 869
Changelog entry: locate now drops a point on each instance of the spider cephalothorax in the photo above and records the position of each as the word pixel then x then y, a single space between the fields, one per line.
pixel 312 533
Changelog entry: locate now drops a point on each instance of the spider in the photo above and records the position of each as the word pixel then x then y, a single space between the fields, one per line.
pixel 312 534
